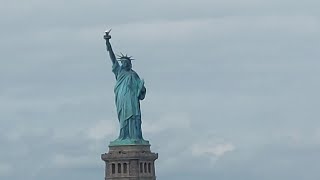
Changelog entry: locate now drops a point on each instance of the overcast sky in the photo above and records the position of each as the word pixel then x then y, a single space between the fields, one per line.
pixel 232 87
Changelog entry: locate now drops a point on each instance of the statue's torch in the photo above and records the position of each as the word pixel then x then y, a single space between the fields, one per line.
pixel 107 36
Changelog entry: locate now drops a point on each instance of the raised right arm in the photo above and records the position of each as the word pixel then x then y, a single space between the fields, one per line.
pixel 113 58
pixel 111 53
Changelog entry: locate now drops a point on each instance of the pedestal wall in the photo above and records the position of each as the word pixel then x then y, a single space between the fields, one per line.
pixel 130 162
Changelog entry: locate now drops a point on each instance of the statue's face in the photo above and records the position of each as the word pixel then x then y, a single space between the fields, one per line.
pixel 126 65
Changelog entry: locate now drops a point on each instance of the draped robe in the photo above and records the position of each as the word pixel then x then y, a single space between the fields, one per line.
pixel 129 90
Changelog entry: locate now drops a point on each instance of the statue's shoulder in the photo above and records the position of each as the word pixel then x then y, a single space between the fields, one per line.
pixel 134 73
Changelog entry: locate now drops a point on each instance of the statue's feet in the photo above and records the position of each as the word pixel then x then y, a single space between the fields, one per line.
pixel 121 142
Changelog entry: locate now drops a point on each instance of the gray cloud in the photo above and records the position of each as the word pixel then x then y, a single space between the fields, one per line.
pixel 236 77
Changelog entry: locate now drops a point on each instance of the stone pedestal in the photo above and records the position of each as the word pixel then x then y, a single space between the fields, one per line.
pixel 130 162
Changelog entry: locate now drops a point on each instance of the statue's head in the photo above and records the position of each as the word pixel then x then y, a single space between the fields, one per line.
pixel 125 61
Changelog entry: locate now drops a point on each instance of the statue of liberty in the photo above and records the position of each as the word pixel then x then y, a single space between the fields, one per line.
pixel 129 90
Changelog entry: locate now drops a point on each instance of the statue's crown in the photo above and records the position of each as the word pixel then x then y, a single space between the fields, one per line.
pixel 124 57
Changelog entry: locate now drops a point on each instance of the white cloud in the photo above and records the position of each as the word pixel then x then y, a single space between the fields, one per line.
pixel 102 129
pixel 97 130
pixel 212 150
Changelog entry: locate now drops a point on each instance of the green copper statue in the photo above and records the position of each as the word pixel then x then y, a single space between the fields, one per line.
pixel 129 90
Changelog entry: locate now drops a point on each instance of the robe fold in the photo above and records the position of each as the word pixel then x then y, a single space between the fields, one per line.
pixel 129 90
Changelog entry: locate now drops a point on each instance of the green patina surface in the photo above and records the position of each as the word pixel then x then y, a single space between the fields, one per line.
pixel 129 91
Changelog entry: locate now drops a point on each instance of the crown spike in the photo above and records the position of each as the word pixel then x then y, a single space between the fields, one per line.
pixel 124 57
